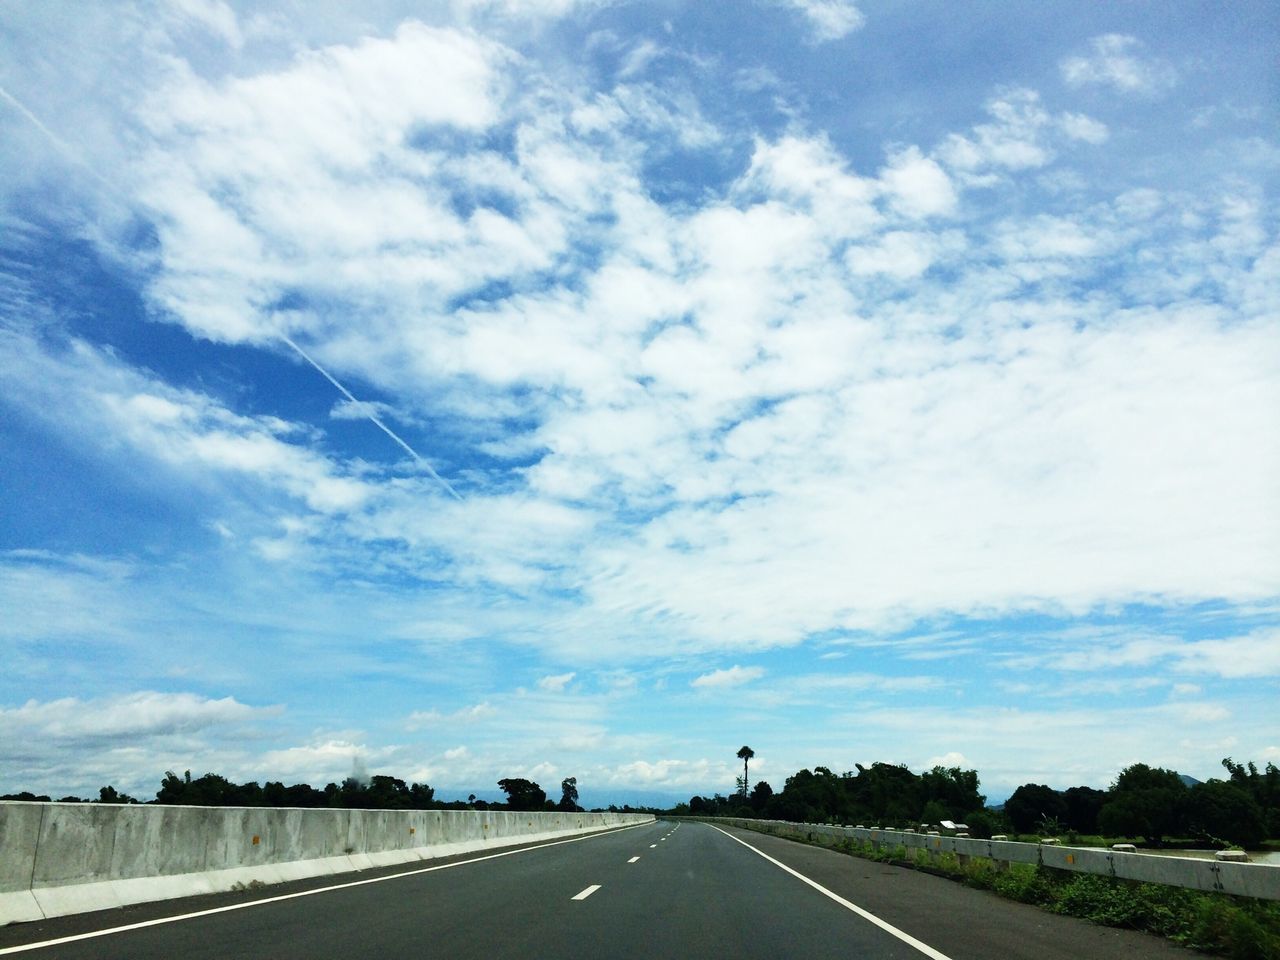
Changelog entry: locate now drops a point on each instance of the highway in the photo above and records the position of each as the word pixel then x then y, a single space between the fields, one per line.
pixel 658 890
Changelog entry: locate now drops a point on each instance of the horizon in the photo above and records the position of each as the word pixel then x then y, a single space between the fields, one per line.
pixel 549 388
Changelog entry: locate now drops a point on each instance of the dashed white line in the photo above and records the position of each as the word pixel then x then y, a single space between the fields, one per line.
pixel 587 892
pixel 633 860
pixel 653 846
pixel 159 921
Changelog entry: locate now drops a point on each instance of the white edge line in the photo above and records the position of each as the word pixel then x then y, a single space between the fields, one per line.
pixel 159 921
pixel 884 925
pixel 587 892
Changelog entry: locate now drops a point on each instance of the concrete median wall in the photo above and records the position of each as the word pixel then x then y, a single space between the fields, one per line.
pixel 63 858
pixel 1258 880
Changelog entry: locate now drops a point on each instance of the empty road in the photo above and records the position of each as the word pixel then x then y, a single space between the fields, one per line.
pixel 657 890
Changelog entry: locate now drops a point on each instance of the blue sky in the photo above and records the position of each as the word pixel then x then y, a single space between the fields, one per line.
pixel 559 388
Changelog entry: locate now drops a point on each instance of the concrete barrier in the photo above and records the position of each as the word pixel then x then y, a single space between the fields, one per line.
pixel 63 858
pixel 1258 880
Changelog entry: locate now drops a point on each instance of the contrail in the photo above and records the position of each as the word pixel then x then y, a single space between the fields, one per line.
pixel 66 150
pixel 63 147
pixel 378 423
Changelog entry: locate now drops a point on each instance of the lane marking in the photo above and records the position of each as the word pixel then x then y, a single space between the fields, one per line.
pixel 587 892
pixel 159 921
pixel 884 925
pixel 653 846
pixel 633 860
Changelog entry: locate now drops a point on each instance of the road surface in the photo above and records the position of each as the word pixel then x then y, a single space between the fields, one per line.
pixel 661 890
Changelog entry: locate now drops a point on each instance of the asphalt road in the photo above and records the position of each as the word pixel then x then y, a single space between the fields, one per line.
pixel 659 890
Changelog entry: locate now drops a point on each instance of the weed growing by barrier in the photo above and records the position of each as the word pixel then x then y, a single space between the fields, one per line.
pixel 1235 927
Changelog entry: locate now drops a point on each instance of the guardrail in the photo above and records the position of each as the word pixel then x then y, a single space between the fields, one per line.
pixel 63 858
pixel 1258 880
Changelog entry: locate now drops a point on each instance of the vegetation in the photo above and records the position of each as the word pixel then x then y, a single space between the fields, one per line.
pixel 881 793
pixel 569 796
pixel 745 754
pixel 1145 803
pixel 374 793
pixel 1215 923
pixel 1154 804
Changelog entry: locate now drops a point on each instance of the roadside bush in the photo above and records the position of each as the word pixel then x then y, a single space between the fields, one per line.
pixel 1025 884
pixel 1119 903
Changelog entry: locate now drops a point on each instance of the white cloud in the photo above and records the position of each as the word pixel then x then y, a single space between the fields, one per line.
pixel 213 15
pixel 901 254
pixel 918 186
pixel 465 716
pixel 556 683
pixel 358 410
pixel 1014 140
pixel 126 716
pixel 1077 126
pixel 828 19
pixel 790 403
pixel 734 676
pixel 324 760
pixel 1116 62
pixel 1254 655
pixel 185 431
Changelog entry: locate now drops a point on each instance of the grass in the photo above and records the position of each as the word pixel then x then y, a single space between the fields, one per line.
pixel 1235 927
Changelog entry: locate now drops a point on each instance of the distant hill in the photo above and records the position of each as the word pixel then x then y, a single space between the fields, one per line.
pixel 1189 781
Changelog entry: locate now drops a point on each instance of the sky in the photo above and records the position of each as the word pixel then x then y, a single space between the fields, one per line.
pixel 545 388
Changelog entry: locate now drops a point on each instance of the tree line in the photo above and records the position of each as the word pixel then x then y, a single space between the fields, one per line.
pixel 378 792
pixel 1145 802
pixel 1155 803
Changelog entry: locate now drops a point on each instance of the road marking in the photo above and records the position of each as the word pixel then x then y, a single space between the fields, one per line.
pixel 633 860
pixel 653 846
pixel 884 925
pixel 159 921
pixel 587 892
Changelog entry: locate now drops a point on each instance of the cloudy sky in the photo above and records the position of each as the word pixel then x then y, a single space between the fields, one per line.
pixel 557 388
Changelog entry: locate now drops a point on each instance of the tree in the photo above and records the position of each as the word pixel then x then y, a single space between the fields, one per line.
pixel 1144 801
pixel 1219 810
pixel 1083 806
pixel 1034 803
pixel 1263 787
pixel 569 795
pixel 108 794
pixel 761 794
pixel 745 755
pixel 523 794
pixel 954 789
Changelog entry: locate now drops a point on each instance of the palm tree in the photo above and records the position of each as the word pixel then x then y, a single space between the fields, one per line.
pixel 745 755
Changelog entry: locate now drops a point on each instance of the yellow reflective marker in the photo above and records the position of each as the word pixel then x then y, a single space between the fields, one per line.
pixel 256 839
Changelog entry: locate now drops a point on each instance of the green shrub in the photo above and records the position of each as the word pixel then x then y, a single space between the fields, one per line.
pixel 1026 884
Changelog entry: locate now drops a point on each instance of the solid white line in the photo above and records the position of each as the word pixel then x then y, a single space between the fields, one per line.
pixel 23 948
pixel 633 860
pixel 884 925
pixel 587 892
